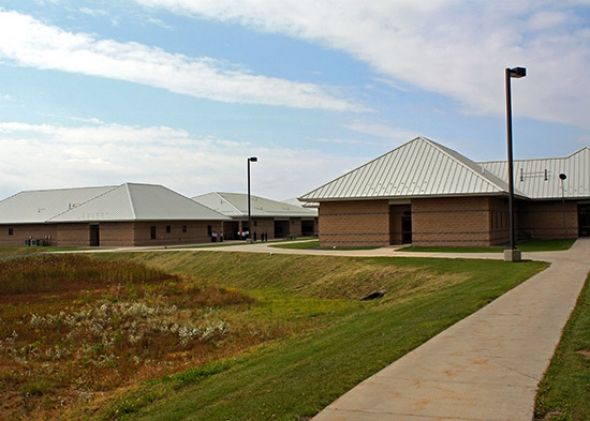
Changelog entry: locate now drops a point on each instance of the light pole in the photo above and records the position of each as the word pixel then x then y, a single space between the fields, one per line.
pixel 562 177
pixel 250 159
pixel 511 255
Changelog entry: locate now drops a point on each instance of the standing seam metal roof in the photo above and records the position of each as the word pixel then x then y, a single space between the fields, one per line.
pixel 139 202
pixel 539 178
pixel 419 168
pixel 236 205
pixel 127 202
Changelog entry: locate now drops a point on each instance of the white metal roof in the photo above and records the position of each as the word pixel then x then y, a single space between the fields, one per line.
pixel 38 206
pixel 419 168
pixel 539 178
pixel 127 202
pixel 235 205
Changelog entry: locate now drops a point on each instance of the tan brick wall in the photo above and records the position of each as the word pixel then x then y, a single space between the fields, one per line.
pixel 452 221
pixel 196 232
pixel 354 223
pixel 261 225
pixel 129 234
pixel 545 220
pixel 73 235
pixel 116 234
pixel 15 235
pixel 499 221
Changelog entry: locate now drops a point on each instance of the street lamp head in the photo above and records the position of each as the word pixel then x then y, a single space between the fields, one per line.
pixel 253 159
pixel 517 72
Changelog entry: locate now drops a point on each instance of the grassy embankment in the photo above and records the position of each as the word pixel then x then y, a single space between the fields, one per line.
pixel 342 341
pixel 563 393
pixel 562 396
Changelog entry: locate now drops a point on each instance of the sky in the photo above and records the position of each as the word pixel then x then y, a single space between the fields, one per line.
pixel 181 92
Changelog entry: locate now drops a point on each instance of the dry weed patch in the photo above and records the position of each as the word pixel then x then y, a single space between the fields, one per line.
pixel 73 328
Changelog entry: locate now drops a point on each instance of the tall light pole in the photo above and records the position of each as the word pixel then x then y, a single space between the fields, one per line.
pixel 250 159
pixel 511 255
pixel 562 177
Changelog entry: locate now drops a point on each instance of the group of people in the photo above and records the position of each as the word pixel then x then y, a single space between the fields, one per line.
pixel 241 235
pixel 244 235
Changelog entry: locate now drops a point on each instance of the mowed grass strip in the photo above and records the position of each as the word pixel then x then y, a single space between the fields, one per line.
pixel 563 392
pixel 527 246
pixel 295 377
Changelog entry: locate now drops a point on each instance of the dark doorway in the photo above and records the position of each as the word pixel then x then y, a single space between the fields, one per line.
pixel 281 229
pixel 307 228
pixel 153 232
pixel 406 229
pixel 584 220
pixel 94 236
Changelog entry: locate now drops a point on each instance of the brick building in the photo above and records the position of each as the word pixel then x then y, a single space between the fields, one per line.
pixel 428 195
pixel 275 218
pixel 126 215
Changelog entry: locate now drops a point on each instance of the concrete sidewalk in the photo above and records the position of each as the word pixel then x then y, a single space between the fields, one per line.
pixel 487 366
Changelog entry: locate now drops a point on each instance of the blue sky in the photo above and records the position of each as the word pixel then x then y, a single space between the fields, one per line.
pixel 181 92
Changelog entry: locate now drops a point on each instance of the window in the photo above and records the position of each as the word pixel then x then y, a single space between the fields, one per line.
pixel 168 229
pixel 184 228
pixel 10 231
pixel 153 232
pixel 209 230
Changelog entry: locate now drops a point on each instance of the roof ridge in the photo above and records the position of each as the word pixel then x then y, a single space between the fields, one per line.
pixel 476 169
pixel 130 197
pixel 111 188
pixel 228 201
pixel 554 158
pixel 366 164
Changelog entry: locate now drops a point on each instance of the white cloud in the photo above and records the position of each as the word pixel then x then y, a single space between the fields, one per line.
pixel 383 130
pixel 46 156
pixel 29 42
pixel 456 48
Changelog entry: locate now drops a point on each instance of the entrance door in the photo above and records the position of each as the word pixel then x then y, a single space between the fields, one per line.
pixel 94 236
pixel 584 220
pixel 407 229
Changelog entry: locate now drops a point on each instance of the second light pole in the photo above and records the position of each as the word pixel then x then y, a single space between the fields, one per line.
pixel 249 240
pixel 512 255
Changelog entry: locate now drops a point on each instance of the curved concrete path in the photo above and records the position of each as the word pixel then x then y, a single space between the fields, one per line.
pixel 485 367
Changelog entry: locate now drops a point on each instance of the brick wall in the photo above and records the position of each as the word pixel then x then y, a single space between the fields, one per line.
pixel 354 223
pixel 73 235
pixel 172 232
pixel 545 220
pixel 261 225
pixel 453 221
pixel 15 235
pixel 129 234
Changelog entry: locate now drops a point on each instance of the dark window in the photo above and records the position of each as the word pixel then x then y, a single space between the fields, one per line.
pixel 10 231
pixel 184 228
pixel 168 229
pixel 153 232
pixel 209 230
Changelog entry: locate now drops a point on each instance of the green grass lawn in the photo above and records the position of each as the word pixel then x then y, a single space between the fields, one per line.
pixel 293 378
pixel 528 246
pixel 535 245
pixel 563 393
pixel 8 251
